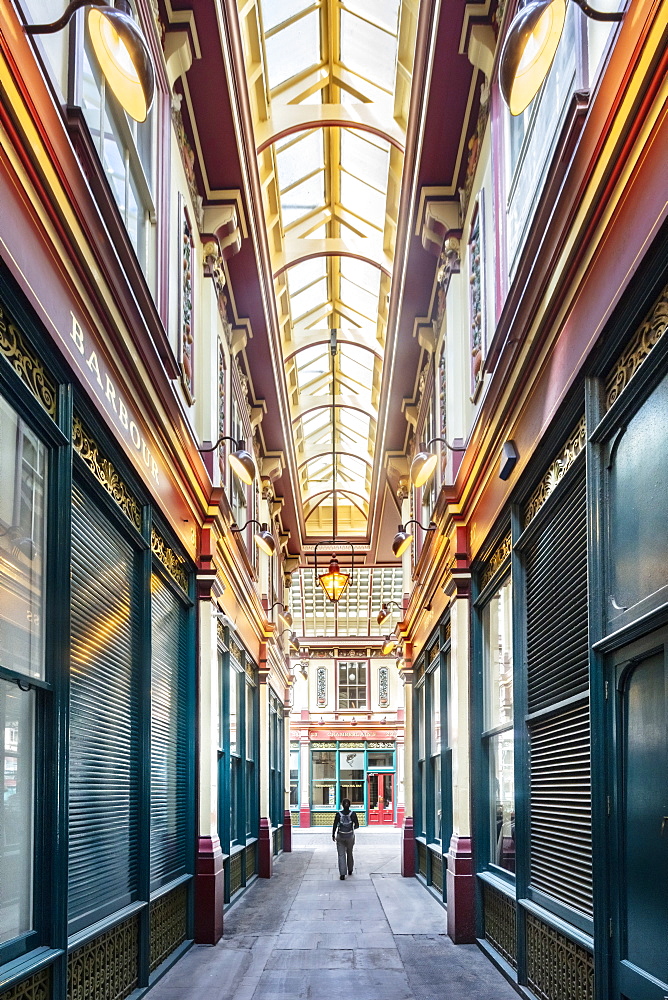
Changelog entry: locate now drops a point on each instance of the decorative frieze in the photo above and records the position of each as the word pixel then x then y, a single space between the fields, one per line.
pixel 474 147
pixel 107 966
pixel 498 557
pixel 321 686
pixel 557 968
pixel 235 650
pixel 187 157
pixel 476 314
pixel 104 472
pixel 186 358
pixel 557 470
pixel 168 920
pixel 648 334
pixel 383 687
pixel 433 653
pixel 173 563
pixel 26 364
pixel 500 923
pixel 38 987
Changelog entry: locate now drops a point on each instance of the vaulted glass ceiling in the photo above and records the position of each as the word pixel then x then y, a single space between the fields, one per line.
pixel 329 83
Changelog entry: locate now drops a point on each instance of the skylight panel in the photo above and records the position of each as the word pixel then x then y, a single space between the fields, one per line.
pixel 303 198
pixel 368 51
pixel 385 12
pixel 368 158
pixel 303 274
pixel 299 158
pixel 310 297
pixel 362 200
pixel 358 298
pixel 293 49
pixel 315 421
pixel 275 12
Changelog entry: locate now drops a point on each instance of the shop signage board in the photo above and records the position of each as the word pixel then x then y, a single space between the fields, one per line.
pixel 352 734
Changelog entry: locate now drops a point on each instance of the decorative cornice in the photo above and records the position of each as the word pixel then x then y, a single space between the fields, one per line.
pixel 557 470
pixel 498 557
pixel 26 364
pixel 173 563
pixel 648 334
pixel 104 472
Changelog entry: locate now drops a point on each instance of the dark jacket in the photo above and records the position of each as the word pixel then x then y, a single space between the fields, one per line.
pixel 337 819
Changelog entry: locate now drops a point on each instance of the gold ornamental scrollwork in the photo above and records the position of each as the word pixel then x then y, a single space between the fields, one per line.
pixel 104 472
pixel 496 560
pixel 169 559
pixel 26 364
pixel 647 336
pixel 558 469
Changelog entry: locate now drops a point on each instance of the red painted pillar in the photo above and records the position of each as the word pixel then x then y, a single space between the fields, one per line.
pixel 460 894
pixel 265 848
pixel 287 831
pixel 305 816
pixel 408 849
pixel 209 891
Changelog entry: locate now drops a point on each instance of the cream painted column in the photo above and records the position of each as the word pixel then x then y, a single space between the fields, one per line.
pixel 408 834
pixel 209 879
pixel 265 846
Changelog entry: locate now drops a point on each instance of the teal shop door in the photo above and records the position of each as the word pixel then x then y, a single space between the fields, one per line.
pixel 642 794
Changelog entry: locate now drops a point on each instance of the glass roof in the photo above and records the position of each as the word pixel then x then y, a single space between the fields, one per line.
pixel 357 611
pixel 331 203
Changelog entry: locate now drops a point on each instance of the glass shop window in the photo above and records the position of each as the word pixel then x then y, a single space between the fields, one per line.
pixel 434 679
pixel 17 718
pixel 294 778
pixel 126 151
pixel 352 684
pixel 323 778
pixel 377 759
pixel 351 768
pixel 498 725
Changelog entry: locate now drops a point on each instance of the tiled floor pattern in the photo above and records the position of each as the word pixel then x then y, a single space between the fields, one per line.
pixel 306 935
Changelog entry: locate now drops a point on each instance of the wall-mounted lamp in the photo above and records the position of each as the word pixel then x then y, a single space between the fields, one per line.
pixel 263 538
pixel 120 49
pixel 19 542
pixel 284 615
pixel 294 641
pixel 403 538
pixel 240 460
pixel 426 461
pixel 385 611
pixel 530 46
pixel 389 643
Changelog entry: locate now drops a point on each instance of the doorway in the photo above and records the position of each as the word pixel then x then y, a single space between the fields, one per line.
pixel 381 798
pixel 641 787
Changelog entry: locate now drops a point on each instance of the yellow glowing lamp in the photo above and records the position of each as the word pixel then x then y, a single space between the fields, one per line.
pixel 389 643
pixel 528 51
pixel 241 462
pixel 403 537
pixel 422 467
pixel 122 53
pixel 334 581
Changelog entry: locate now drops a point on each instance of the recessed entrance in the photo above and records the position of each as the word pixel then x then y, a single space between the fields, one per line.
pixel 381 798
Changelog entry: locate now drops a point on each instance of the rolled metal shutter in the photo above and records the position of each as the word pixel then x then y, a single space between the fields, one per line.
pixel 557 670
pixel 169 736
pixel 104 719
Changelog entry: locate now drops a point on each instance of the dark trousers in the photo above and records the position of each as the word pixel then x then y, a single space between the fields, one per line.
pixel 344 846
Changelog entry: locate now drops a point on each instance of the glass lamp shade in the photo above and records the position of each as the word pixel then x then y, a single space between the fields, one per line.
pixel 334 582
pixel 241 462
pixel 383 614
pixel 402 540
pixel 265 541
pixel 528 51
pixel 294 642
pixel 422 467
pixel 124 59
pixel 286 618
pixel 388 644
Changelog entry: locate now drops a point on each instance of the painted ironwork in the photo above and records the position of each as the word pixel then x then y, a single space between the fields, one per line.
pixel 106 968
pixel 500 915
pixel 557 968
pixel 647 336
pixel 321 686
pixel 575 443
pixel 38 987
pixel 436 869
pixel 421 859
pixel 236 872
pixel 169 923
pixel 186 304
pixel 172 562
pixel 383 687
pixel 26 364
pixel 105 472
pixel 251 861
pixel 497 559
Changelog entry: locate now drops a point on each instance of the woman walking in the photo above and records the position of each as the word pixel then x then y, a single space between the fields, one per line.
pixel 343 832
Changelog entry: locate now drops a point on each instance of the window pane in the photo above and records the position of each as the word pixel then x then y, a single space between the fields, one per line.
pixel 353 790
pixel 364 157
pixel 386 12
pixel 234 799
pixel 324 764
pixel 250 721
pixel 233 710
pixel 324 793
pixel 436 711
pixel 352 684
pixel 436 778
pixel 23 471
pixel 502 800
pixel 351 763
pixel 303 198
pixel 298 158
pixel 294 49
pixel 303 274
pixel 363 200
pixel 368 51
pixel 16 816
pixel 421 723
pixel 384 759
pixel 498 657
pixel 276 11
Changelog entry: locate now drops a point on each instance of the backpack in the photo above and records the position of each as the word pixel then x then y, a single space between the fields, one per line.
pixel 346 822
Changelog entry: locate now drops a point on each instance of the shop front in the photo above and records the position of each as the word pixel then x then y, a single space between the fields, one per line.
pixel 363 771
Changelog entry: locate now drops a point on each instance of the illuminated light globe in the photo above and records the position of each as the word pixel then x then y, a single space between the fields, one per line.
pixel 334 581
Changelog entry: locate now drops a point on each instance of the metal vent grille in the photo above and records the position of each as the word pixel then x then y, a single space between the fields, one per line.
pixel 556 597
pixel 500 923
pixel 560 821
pixel 557 969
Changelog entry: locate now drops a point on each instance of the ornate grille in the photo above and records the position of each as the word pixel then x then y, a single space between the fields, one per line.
pixel 26 364
pixel 105 472
pixel 500 923
pixel 422 858
pixel 38 987
pixel 294 818
pixel 557 969
pixel 437 870
pixel 235 872
pixel 106 968
pixel 322 818
pixel 168 919
pixel 351 745
pixel 380 745
pixel 251 861
pixel 383 687
pixel 648 334
pixel 321 683
pixel 557 470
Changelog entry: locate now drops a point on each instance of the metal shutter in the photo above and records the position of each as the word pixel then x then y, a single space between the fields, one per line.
pixel 556 599
pixel 558 669
pixel 104 719
pixel 169 736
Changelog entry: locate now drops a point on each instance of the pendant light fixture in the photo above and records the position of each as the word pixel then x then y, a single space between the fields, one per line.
pixel 334 581
pixel 120 49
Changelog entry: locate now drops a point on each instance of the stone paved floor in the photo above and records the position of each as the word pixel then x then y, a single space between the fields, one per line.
pixel 306 935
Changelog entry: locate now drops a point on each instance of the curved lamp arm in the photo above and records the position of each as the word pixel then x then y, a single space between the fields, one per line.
pixel 49 29
pixel 599 15
pixel 452 447
pixel 238 443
